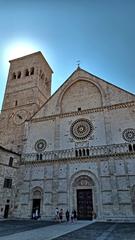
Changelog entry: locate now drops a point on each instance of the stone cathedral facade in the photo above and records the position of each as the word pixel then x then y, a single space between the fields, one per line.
pixel 72 150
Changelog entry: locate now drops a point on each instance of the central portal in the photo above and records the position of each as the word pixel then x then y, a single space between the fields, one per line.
pixel 84 204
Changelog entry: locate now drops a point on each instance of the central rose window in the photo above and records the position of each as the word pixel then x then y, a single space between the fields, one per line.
pixel 81 129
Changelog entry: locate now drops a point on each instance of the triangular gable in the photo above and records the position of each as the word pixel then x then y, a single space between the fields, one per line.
pixel 97 93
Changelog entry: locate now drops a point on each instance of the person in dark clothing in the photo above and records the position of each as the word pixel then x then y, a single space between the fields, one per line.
pixel 61 215
pixel 67 215
pixel 75 214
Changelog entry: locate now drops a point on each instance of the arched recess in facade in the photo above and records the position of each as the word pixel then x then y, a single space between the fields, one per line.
pixel 85 80
pixel 37 200
pixel 85 180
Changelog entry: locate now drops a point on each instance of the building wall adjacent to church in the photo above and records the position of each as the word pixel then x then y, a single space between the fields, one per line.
pixel 9 163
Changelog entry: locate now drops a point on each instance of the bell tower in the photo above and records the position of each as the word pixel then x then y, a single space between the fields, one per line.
pixel 28 87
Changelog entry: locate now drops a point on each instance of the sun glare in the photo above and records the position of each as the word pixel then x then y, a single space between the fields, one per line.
pixel 19 49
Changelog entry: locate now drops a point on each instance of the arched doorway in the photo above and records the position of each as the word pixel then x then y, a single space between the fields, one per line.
pixel 36 201
pixel 83 195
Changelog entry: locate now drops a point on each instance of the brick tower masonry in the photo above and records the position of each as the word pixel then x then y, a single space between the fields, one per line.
pixel 28 87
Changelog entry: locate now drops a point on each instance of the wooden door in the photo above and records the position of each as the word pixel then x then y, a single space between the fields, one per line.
pixel 84 204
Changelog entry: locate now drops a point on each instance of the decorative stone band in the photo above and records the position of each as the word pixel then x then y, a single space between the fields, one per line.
pixel 86 111
pixel 81 153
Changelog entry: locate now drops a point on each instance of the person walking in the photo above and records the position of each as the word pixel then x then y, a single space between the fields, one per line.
pixel 36 213
pixel 61 215
pixel 72 217
pixel 67 215
pixel 56 214
pixel 75 214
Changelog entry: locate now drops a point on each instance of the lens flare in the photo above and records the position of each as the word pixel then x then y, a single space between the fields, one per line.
pixel 18 49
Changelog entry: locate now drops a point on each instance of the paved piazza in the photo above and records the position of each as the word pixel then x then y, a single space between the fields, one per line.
pixel 41 230
pixel 103 231
pixel 9 227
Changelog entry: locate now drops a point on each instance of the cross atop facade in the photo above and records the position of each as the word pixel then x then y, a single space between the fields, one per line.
pixel 78 63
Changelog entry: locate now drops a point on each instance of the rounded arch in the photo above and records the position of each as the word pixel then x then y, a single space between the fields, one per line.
pixel 88 84
pixel 83 180
pixel 87 173
pixel 37 192
pixel 87 180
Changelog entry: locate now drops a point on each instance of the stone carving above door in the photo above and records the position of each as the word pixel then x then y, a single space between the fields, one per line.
pixel 83 181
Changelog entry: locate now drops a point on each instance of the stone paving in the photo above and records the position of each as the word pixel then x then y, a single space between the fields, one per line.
pixel 24 230
pixel 102 231
pixel 8 227
pixel 81 230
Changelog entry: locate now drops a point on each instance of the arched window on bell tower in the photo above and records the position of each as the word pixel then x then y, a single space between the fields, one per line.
pixel 19 75
pixel 32 71
pixel 26 72
pixel 14 75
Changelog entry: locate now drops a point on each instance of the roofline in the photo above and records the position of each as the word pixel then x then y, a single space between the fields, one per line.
pixel 7 150
pixel 35 53
pixel 79 69
pixel 19 58
pixel 108 82
pixel 52 95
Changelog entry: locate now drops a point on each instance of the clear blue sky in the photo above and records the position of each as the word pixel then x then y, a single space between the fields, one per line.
pixel 99 33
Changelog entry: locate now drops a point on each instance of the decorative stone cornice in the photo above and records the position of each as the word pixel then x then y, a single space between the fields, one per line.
pixel 9 151
pixel 9 167
pixel 87 111
pixel 77 160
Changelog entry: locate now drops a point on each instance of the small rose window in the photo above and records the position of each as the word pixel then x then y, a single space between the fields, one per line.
pixel 40 145
pixel 129 134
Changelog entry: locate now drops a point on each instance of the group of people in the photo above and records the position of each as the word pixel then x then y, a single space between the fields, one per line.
pixel 59 215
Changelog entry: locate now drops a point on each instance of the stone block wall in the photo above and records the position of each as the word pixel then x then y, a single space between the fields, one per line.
pixel 8 195
pixel 113 190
